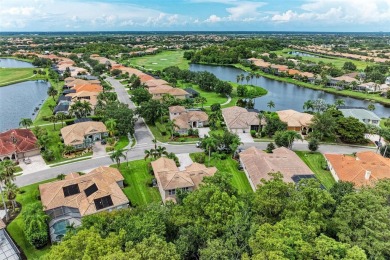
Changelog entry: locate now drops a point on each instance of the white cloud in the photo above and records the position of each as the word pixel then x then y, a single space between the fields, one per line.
pixel 339 12
pixel 213 19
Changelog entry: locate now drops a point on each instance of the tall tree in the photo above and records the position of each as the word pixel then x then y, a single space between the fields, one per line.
pixel 25 122
pixel 270 104
pixel 117 155
pixel 111 126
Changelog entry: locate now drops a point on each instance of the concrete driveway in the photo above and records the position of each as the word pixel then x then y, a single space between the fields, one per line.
pixel 245 137
pixel 99 150
pixel 374 138
pixel 185 160
pixel 37 164
pixel 203 131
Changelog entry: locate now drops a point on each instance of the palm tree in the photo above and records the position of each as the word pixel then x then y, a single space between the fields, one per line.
pixel 53 119
pixel 161 150
pixel 371 107
pixel 155 143
pixel 251 75
pixel 242 77
pixel 238 78
pixel 8 169
pixel 292 136
pixel 117 155
pixel 61 116
pixel 339 102
pixel 257 77
pixel 111 126
pixel 261 117
pixel 25 122
pixel 247 78
pixel 149 153
pixel 210 142
pixel 308 105
pixel 270 104
pixel 52 92
pixel 172 124
pixel 2 181
pixel 87 108
pixel 70 228
pixel 11 190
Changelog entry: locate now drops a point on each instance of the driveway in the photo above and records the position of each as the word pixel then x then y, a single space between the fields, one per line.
pixel 37 164
pixel 245 137
pixel 99 150
pixel 203 131
pixel 185 160
pixel 374 138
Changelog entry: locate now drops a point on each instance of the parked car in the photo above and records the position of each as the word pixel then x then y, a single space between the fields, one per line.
pixel 27 160
pixel 198 144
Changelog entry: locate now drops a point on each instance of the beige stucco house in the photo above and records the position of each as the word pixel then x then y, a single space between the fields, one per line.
pixel 296 121
pixel 187 118
pixel 83 135
pixel 240 120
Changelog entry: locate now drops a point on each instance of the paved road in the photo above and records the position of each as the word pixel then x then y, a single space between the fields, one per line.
pixel 137 153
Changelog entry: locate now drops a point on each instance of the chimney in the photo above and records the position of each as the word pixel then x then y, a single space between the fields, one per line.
pixel 367 175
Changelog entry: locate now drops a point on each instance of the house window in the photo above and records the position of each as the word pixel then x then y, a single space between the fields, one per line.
pixel 171 192
pixel 185 189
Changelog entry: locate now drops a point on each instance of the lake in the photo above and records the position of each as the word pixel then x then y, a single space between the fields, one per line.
pixel 285 95
pixel 20 100
pixel 12 63
pixel 302 54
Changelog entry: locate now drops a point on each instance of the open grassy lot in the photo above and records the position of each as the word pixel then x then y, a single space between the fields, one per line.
pixel 138 179
pixel 315 161
pixel 15 75
pixel 161 60
pixel 29 194
pixel 211 97
pixel 122 143
pixel 229 165
pixel 337 61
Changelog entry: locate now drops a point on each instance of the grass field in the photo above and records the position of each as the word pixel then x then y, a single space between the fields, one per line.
pixel 337 61
pixel 211 97
pixel 315 162
pixel 28 195
pixel 45 110
pixel 14 75
pixel 138 179
pixel 122 143
pixel 229 165
pixel 161 60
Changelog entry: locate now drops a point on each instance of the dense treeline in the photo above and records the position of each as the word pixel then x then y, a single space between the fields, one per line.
pixel 279 221
pixel 233 51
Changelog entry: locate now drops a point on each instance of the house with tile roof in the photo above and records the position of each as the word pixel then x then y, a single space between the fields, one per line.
pixel 363 115
pixel 159 91
pixel 187 118
pixel 17 144
pixel 296 121
pixel 240 120
pixel 363 169
pixel 83 135
pixel 170 178
pixel 67 201
pixel 258 164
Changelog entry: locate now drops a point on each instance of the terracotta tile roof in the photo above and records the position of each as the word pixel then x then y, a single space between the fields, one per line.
pixel 177 109
pixel 238 117
pixel 17 141
pixel 155 83
pixel 345 78
pixel 184 120
pixel 365 169
pixel 88 87
pixel 88 96
pixel 145 77
pixel 259 164
pixel 293 72
pixel 105 179
pixel 294 118
pixel 163 89
pixel 74 134
pixel 170 177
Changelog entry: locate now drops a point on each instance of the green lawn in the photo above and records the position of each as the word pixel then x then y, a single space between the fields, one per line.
pixel 161 60
pixel 138 178
pixel 337 61
pixel 15 75
pixel 315 161
pixel 382 123
pixel 167 138
pixel 211 97
pixel 29 194
pixel 45 110
pixel 229 165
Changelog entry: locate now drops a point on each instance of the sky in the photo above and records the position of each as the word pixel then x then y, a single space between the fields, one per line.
pixel 195 15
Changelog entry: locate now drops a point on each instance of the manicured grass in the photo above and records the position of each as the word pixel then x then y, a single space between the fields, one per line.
pixel 14 75
pixel 157 134
pixel 28 196
pixel 138 179
pixel 211 97
pixel 45 110
pixel 382 123
pixel 315 161
pixel 122 143
pixel 161 60
pixel 336 61
pixel 229 165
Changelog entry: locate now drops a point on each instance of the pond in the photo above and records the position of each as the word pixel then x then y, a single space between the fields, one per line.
pixel 12 63
pixel 285 95
pixel 20 101
pixel 302 54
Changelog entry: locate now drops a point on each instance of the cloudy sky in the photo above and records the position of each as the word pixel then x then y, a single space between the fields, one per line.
pixel 198 15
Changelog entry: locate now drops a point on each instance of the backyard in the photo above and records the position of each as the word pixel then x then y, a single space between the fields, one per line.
pixel 139 180
pixel 161 60
pixel 316 161
pixel 28 195
pixel 229 165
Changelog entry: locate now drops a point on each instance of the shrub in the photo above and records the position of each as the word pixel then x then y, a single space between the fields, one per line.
pixel 253 133
pixel 176 134
pixel 313 145
pixel 165 119
pixel 110 148
pixel 195 133
pixel 161 128
pixel 48 155
pixel 270 147
pixel 200 157
pixel 35 226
